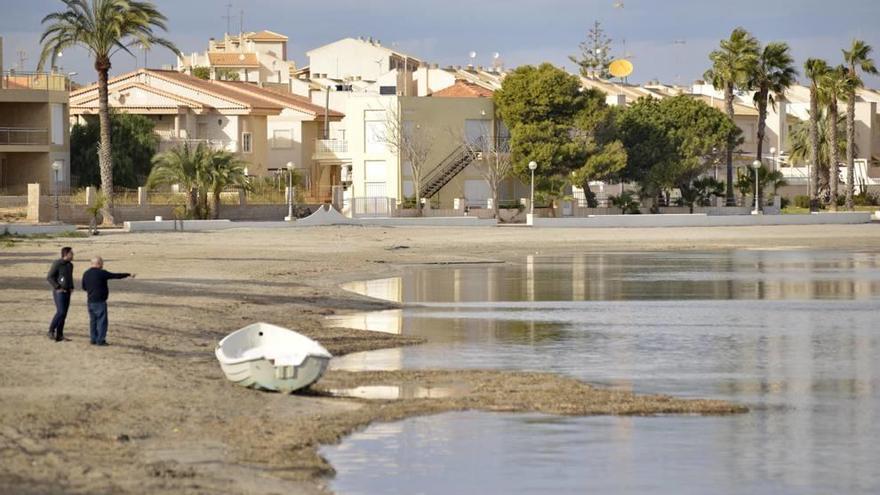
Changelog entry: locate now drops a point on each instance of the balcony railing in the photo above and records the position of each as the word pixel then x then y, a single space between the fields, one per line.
pixel 28 136
pixel 34 80
pixel 332 146
pixel 166 144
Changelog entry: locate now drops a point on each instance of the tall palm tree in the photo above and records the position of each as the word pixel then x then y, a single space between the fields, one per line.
pixel 857 58
pixel 103 27
pixel 834 85
pixel 801 149
pixel 224 169
pixel 774 73
pixel 815 69
pixel 732 66
pixel 186 167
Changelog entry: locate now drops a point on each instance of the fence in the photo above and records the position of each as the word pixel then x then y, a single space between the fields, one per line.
pixel 34 80
pixel 369 207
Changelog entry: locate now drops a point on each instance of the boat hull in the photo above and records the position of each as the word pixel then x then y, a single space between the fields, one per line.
pixel 262 374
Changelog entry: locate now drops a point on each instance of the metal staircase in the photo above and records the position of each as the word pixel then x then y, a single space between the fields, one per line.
pixel 451 166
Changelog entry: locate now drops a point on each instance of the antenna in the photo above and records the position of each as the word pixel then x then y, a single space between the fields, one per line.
pixel 22 58
pixel 228 17
pixel 618 4
pixel 241 22
pixel 473 56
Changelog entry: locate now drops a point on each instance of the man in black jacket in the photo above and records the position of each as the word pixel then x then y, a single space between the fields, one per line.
pixel 60 277
pixel 94 282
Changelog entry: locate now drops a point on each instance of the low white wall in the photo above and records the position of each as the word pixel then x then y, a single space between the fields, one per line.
pixel 171 225
pixel 701 220
pixel 429 222
pixel 31 229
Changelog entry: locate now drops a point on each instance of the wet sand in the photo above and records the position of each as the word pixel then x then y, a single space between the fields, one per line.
pixel 153 413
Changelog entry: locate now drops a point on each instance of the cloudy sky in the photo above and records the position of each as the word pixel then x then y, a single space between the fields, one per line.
pixel 667 40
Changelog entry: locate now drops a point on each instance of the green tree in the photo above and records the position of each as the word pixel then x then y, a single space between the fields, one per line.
pixel 745 182
pixel 186 167
pixel 733 64
pixel 815 69
pixel 595 56
pixel 224 170
pixel 834 85
pixel 103 27
pixel 561 126
pixel 134 146
pixel 801 150
pixel 858 59
pixel 202 72
pixel 669 142
pixel 700 192
pixel 773 74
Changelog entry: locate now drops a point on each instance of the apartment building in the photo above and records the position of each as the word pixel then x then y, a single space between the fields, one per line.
pixel 34 136
pixel 259 57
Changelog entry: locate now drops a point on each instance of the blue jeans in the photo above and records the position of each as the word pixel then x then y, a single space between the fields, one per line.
pixel 62 303
pixel 98 322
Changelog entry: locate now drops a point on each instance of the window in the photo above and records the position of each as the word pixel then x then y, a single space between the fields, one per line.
pixel 57 123
pixel 374 131
pixel 375 172
pixel 246 142
pixel 281 138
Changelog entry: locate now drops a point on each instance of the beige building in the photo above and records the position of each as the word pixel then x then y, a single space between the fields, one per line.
pixel 259 57
pixel 34 136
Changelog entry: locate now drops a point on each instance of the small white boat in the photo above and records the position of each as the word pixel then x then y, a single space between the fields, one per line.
pixel 270 357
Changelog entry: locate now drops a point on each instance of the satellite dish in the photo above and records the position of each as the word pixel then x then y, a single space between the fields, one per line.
pixel 473 54
pixel 496 55
pixel 620 68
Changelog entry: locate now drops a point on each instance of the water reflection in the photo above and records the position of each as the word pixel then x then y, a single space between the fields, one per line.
pixel 406 391
pixel 791 333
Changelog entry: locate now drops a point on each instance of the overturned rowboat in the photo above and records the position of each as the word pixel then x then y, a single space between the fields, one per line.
pixel 270 357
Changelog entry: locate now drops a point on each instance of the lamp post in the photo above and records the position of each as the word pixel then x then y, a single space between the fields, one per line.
pixel 532 166
pixel 289 217
pixel 56 167
pixel 757 166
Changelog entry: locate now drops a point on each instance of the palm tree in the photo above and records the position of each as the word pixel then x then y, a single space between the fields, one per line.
pixel 103 27
pixel 774 73
pixel 834 85
pixel 801 149
pixel 185 167
pixel 224 169
pixel 815 69
pixel 858 57
pixel 732 66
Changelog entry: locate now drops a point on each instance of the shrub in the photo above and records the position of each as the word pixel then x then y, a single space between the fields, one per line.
pixel 801 201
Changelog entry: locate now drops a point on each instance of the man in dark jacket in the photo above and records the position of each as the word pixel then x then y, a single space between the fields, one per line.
pixel 60 277
pixel 94 282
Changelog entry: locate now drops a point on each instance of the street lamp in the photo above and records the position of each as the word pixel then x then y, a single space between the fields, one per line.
pixel 56 168
pixel 532 166
pixel 289 217
pixel 757 166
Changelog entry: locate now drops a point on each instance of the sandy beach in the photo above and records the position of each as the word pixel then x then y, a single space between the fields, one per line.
pixel 153 413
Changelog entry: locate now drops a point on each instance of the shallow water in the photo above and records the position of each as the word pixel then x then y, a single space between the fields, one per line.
pixel 789 333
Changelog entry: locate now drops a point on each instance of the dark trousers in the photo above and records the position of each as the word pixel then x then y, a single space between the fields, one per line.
pixel 98 322
pixel 62 303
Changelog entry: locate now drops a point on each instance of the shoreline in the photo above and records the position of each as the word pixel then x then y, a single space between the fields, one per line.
pixel 153 413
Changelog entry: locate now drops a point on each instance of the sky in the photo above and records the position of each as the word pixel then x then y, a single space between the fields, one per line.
pixel 668 40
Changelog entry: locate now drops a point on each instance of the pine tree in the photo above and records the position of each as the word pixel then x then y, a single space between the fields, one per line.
pixel 595 53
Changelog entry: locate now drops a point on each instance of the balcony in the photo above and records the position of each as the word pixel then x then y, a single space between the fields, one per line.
pixel 42 81
pixel 333 151
pixel 24 136
pixel 166 144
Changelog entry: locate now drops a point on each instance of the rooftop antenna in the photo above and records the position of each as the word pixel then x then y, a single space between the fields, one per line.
pixel 496 60
pixel 618 4
pixel 22 58
pixel 473 57
pixel 241 21
pixel 678 43
pixel 228 17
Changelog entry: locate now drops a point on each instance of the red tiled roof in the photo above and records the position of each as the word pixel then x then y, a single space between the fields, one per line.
pixel 233 59
pixel 286 99
pixel 464 89
pixel 266 35
pixel 216 88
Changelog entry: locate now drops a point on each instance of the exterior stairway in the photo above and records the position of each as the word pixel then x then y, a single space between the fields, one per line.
pixel 451 166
